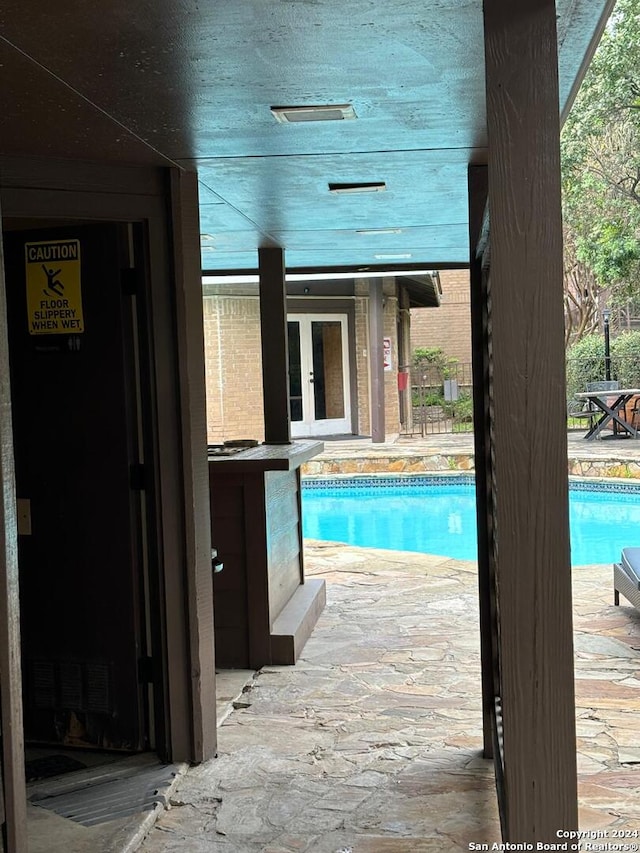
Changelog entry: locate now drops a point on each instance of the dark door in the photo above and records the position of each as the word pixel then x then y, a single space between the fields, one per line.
pixel 75 426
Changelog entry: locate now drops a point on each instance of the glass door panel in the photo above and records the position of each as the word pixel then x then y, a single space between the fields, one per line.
pixel 328 378
pixel 318 375
pixel 295 370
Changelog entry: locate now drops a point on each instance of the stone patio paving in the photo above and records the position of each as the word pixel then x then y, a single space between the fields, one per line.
pixel 371 743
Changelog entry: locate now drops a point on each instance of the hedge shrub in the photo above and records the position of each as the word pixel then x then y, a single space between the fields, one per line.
pixel 585 361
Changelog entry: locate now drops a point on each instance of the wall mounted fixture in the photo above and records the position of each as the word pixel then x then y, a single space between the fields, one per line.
pixel 392 257
pixel 364 187
pixel 313 112
pixel 378 230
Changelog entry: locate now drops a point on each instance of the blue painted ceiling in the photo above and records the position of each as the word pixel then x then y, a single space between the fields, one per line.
pixel 190 82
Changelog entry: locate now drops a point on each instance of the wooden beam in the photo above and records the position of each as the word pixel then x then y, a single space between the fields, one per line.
pixel 480 359
pixel 275 351
pixel 529 420
pixel 197 521
pixel 376 360
pixel 13 774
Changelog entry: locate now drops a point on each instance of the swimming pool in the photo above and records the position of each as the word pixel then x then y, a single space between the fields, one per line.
pixel 436 515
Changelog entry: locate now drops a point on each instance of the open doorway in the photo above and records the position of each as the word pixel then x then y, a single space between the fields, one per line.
pixel 84 515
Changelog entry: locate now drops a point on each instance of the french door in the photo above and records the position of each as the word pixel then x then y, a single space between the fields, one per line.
pixel 318 374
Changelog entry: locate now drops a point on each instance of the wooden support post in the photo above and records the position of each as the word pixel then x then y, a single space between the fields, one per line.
pixel 275 352
pixel 479 354
pixel 529 421
pixel 376 360
pixel 190 343
pixel 13 774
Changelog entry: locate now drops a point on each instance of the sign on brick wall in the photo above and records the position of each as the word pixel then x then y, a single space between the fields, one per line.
pixel 386 353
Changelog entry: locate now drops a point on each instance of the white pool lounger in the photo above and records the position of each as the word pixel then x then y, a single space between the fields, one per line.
pixel 626 577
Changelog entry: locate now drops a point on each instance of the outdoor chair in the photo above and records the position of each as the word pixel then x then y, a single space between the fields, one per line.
pixel 589 411
pixel 626 577
pixel 632 411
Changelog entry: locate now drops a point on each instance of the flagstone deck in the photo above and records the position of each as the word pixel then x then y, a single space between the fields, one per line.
pixel 371 743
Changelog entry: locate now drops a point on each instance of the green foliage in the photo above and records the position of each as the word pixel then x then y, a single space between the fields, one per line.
pixel 625 359
pixel 461 409
pixel 428 355
pixel 433 399
pixel 585 361
pixel 434 358
pixel 449 371
pixel 610 251
pixel 601 159
pixel 464 426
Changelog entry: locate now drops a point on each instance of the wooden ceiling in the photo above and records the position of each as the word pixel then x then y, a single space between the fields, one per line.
pixel 191 82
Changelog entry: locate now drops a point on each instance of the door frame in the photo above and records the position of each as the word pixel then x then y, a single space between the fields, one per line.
pixel 121 393
pixel 309 426
pixel 164 202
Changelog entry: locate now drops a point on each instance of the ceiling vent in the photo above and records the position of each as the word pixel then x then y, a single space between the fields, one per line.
pixel 365 187
pixel 321 112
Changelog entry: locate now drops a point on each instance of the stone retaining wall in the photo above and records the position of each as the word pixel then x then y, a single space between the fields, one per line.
pixel 604 468
pixel 455 462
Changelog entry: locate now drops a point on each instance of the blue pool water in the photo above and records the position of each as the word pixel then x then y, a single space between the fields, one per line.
pixel 437 516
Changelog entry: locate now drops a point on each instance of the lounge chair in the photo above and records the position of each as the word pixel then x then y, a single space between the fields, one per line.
pixel 626 577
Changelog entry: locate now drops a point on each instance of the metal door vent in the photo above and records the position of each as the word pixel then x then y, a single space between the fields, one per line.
pixel 70 686
pixel 98 694
pixel 70 679
pixel 43 685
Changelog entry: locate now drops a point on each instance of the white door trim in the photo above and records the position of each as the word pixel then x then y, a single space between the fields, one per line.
pixel 309 426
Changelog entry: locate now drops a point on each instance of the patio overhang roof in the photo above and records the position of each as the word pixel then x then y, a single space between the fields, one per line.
pixel 192 84
pixel 424 291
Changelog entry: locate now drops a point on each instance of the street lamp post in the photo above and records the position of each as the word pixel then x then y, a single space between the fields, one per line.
pixel 606 315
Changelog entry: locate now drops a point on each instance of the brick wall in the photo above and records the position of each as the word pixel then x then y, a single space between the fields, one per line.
pixel 362 355
pixel 390 325
pixel 448 326
pixel 233 365
pixel 333 376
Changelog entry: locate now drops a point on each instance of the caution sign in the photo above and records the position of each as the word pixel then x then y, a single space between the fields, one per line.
pixel 54 289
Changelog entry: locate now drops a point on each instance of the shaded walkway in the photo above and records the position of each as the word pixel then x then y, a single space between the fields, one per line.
pixel 371 743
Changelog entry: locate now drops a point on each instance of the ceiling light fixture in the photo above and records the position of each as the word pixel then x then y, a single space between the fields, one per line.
pixel 392 257
pixel 378 230
pixel 313 112
pixel 364 187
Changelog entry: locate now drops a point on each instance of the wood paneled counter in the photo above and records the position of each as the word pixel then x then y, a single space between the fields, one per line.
pixel 264 609
pixel 269 457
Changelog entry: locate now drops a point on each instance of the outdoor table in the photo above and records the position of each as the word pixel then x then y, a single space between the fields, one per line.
pixel 613 412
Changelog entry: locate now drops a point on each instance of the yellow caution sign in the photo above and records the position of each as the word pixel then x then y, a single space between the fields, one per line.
pixel 54 288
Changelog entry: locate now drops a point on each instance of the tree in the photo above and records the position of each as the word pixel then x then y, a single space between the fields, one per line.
pixel 601 176
pixel 580 293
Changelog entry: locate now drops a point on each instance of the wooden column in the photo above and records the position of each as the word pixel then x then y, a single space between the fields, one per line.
pixel 479 355
pixel 195 471
pixel 376 360
pixel 13 774
pixel 529 421
pixel 275 351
